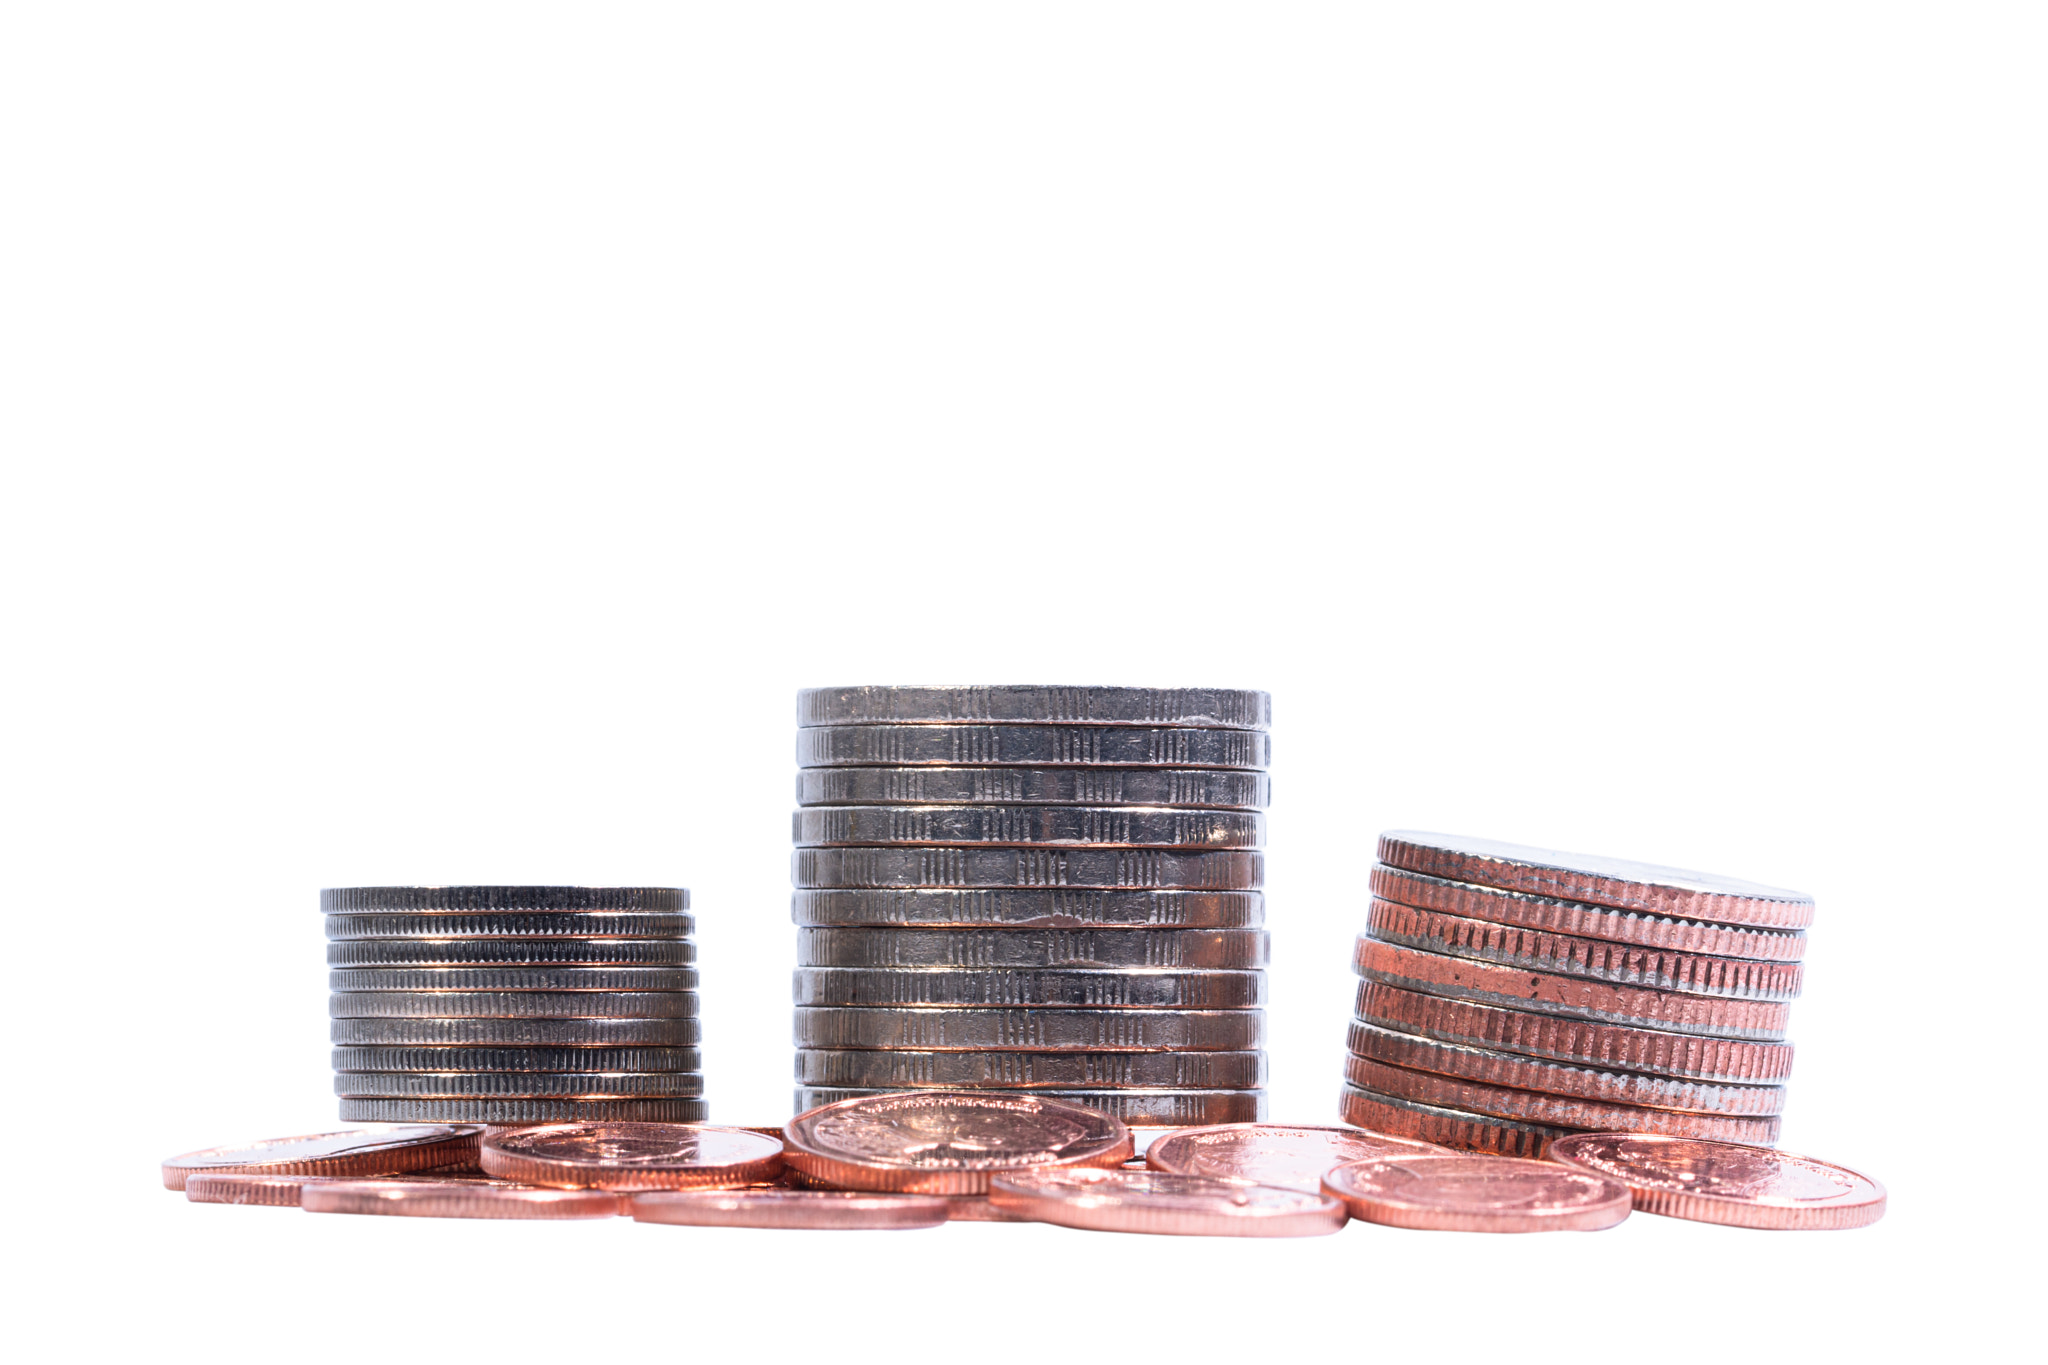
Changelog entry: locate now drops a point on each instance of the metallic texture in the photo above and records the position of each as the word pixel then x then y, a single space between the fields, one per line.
pixel 1727 1183
pixel 816 1209
pixel 1151 1108
pixel 633 1156
pixel 515 1033
pixel 1108 869
pixel 1271 1154
pixel 1005 745
pixel 512 1005
pixel 947 1142
pixel 501 900
pixel 511 952
pixel 358 1152
pixel 899 1070
pixel 1042 1030
pixel 1190 949
pixel 1036 705
pixel 1031 908
pixel 1227 788
pixel 535 925
pixel 523 1111
pixel 1127 989
pixel 1026 826
pixel 1455 1192
pixel 1163 1203
pixel 512 1059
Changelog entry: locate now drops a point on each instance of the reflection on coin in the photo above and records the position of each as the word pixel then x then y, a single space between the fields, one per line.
pixel 1455 1192
pixel 1151 1108
pixel 632 1156
pixel 1110 869
pixel 819 1209
pixel 1196 949
pixel 556 1059
pixel 523 1111
pixel 936 786
pixel 512 1004
pixel 1003 745
pixel 354 1152
pixel 946 1029
pixel 502 900
pixel 1722 1182
pixel 1057 907
pixel 595 924
pixel 945 1142
pixel 1162 1203
pixel 1271 1154
pixel 1133 988
pixel 1035 705
pixel 607 979
pixel 516 1033
pixel 976 1208
pixel 1083 826
pixel 515 952
pixel 457 1199
pixel 278 1191
pixel 1455 1128
pixel 899 1070
pixel 572 1085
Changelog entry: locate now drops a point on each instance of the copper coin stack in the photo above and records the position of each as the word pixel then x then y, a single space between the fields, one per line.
pixel 1513 996
pixel 513 1004
pixel 1043 889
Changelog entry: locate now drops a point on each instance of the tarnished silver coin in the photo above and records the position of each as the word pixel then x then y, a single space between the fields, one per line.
pixel 940 786
pixel 1068 745
pixel 1028 826
pixel 1134 988
pixel 1109 869
pixel 501 900
pixel 511 952
pixel 956 1029
pixel 535 925
pixel 1021 704
pixel 512 979
pixel 517 1059
pixel 1036 907
pixel 1032 1070
pixel 516 1033
pixel 1190 948
pixel 1151 1108
pixel 512 1005
pixel 533 1085
pixel 522 1111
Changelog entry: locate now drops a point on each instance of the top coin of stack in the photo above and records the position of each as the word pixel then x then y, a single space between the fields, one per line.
pixel 1515 995
pixel 1052 889
pixel 513 1004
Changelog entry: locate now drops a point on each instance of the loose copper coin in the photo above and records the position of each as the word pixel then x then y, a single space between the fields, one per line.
pixel 457 1199
pixel 1456 1128
pixel 353 1152
pixel 1615 882
pixel 282 1191
pixel 632 1156
pixel 1271 1154
pixel 977 1208
pixel 1490 983
pixel 1151 1108
pixel 1721 1182
pixel 1163 1203
pixel 948 1142
pixel 821 1209
pixel 1455 1192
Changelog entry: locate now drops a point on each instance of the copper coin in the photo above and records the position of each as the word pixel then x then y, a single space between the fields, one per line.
pixel 1553 1078
pixel 282 1191
pixel 1629 964
pixel 1522 910
pixel 821 1209
pixel 1151 1108
pixel 977 1208
pixel 457 1199
pixel 632 1156
pixel 1163 1203
pixel 1721 1182
pixel 1651 1051
pixel 1456 1128
pixel 948 1142
pixel 352 1152
pixel 1457 1192
pixel 1614 882
pixel 1489 983
pixel 1271 1154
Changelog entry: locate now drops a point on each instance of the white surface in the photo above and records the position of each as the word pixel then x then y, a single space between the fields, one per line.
pixel 440 442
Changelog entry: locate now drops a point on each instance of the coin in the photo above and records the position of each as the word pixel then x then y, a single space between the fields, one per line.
pixel 283 1191
pixel 1723 1182
pixel 1625 964
pixel 898 1070
pixel 1134 988
pixel 1149 1108
pixel 947 1142
pixel 1456 1192
pixel 1197 949
pixel 1614 882
pixel 1552 1078
pixel 523 1111
pixel 1294 1158
pixel 1585 921
pixel 1162 1203
pixel 1552 1111
pixel 1548 993
pixel 450 1199
pixel 512 979
pixel 501 900
pixel 976 1208
pixel 1067 746
pixel 512 1005
pixel 521 1085
pixel 512 1059
pixel 938 786
pixel 535 926
pixel 355 1152
pixel 1031 907
pixel 515 1033
pixel 1103 826
pixel 1649 1051
pixel 1111 869
pixel 632 1156
pixel 1030 705
pixel 1444 1127
pixel 524 952
pixel 1044 1030
pixel 819 1209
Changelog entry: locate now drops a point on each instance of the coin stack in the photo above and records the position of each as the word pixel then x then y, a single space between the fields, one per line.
pixel 1052 889
pixel 513 1004
pixel 1513 996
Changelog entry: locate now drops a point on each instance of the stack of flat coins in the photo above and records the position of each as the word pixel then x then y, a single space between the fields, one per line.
pixel 513 1004
pixel 1052 889
pixel 1515 995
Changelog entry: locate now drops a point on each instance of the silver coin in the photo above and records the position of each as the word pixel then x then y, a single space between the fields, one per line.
pixel 503 900
pixel 517 1059
pixel 512 979
pixel 1030 908
pixel 1185 948
pixel 512 1005
pixel 539 924
pixel 1017 704
pixel 1131 989
pixel 509 1111
pixel 1033 1070
pixel 1149 1108
pixel 516 1033
pixel 511 952
pixel 1085 826
pixel 1065 745
pixel 938 786
pixel 1110 869
pixel 517 1085
pixel 1039 1030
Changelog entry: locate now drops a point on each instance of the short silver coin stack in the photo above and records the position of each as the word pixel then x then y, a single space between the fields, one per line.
pixel 1048 889
pixel 513 1004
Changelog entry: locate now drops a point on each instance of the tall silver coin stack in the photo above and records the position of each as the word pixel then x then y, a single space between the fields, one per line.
pixel 1514 995
pixel 513 1004
pixel 1052 889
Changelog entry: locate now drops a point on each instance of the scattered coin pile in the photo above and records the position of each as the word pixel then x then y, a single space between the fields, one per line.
pixel 513 1004
pixel 1513 996
pixel 1043 889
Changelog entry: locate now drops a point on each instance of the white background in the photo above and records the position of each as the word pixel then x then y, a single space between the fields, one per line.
pixel 440 440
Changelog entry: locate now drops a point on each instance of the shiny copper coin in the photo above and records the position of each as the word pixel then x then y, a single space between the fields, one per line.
pixel 1456 1128
pixel 353 1152
pixel 457 1199
pixel 282 1191
pixel 1271 1154
pixel 1162 1203
pixel 820 1209
pixel 905 1070
pixel 1614 882
pixel 1151 1108
pixel 632 1156
pixel 947 1142
pixel 1456 1192
pixel 977 1208
pixel 1489 983
pixel 1721 1182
